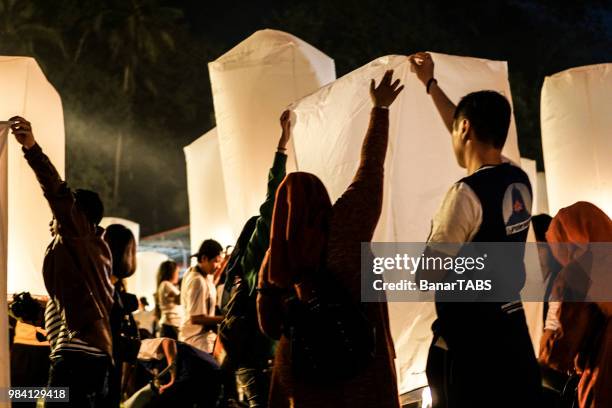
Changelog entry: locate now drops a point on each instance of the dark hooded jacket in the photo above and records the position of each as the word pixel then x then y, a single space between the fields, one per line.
pixel 77 264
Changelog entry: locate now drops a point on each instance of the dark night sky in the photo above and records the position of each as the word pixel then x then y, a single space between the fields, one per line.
pixel 84 48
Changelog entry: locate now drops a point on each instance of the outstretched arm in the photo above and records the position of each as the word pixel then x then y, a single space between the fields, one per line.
pixel 260 240
pixel 423 65
pixel 56 191
pixel 361 203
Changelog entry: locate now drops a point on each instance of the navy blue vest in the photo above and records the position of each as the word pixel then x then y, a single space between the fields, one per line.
pixel 505 196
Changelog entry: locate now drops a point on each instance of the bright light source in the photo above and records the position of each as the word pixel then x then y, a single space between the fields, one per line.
pixel 426 401
pixel 576 122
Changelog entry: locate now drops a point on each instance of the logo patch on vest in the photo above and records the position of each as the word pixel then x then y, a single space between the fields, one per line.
pixel 517 208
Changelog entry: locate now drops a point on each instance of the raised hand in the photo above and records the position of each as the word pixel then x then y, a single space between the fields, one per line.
pixel 22 129
pixel 285 121
pixel 423 65
pixel 386 92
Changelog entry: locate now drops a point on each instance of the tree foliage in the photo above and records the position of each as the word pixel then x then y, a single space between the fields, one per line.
pixel 138 68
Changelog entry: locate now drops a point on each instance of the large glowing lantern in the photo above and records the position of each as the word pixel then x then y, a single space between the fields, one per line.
pixel 576 119
pixel 24 212
pixel 542 199
pixel 251 85
pixel 328 132
pixel 420 166
pixel 144 280
pixel 208 214
pixel 529 167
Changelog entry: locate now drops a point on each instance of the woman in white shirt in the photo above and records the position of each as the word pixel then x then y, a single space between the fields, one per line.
pixel 168 299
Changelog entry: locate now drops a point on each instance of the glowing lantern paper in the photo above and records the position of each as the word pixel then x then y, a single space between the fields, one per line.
pixel 542 199
pixel 144 280
pixel 252 84
pixel 576 119
pixel 529 167
pixel 208 215
pixel 420 165
pixel 25 214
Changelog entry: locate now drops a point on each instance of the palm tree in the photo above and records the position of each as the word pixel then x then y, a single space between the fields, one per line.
pixel 136 33
pixel 21 34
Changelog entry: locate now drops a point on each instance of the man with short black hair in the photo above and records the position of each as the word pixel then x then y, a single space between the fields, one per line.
pixel 488 113
pixel 481 354
pixel 199 298
pixel 76 271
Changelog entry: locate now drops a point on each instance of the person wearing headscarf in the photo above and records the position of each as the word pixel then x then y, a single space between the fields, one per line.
pixel 548 263
pixel 578 332
pixel 309 232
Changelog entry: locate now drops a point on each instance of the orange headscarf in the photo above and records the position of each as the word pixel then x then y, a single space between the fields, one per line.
pixel 579 224
pixel 300 227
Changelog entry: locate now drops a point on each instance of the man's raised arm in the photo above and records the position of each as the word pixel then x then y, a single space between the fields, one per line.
pixel 423 65
pixel 57 193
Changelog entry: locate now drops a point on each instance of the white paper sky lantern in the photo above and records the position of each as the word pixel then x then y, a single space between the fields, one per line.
pixel 25 214
pixel 208 214
pixel 144 280
pixel 542 194
pixel 420 165
pixel 252 84
pixel 529 167
pixel 538 185
pixel 576 119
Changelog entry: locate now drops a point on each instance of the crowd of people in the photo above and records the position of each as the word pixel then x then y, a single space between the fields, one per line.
pixel 279 322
